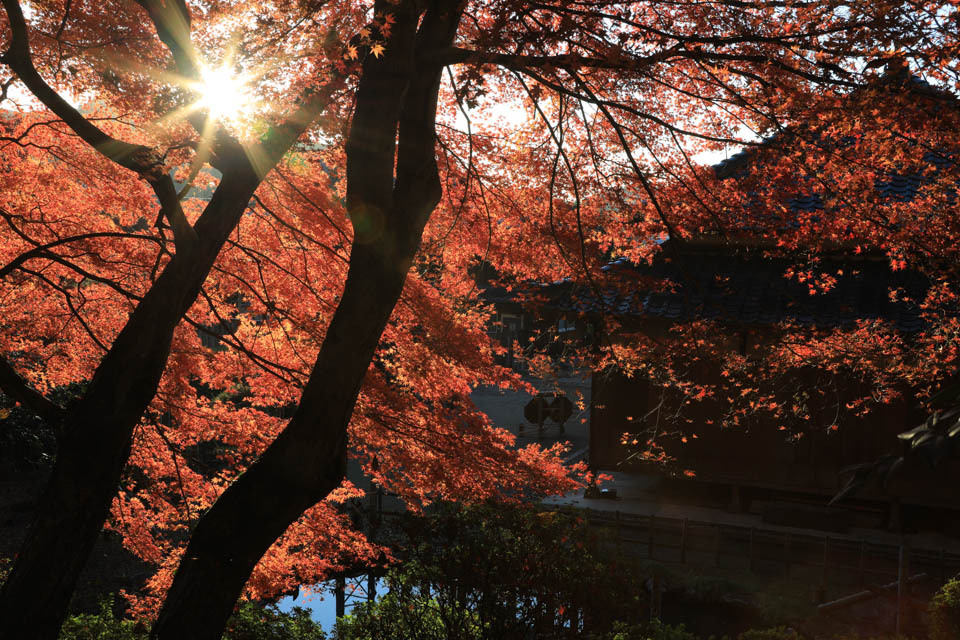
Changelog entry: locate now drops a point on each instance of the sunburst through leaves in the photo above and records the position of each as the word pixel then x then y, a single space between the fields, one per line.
pixel 225 94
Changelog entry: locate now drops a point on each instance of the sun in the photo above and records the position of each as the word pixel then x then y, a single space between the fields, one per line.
pixel 224 94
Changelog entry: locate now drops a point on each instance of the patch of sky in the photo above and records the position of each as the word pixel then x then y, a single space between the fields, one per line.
pixel 321 600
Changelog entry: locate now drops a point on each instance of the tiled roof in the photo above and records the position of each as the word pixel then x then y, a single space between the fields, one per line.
pixel 900 188
pixel 805 203
pixel 748 290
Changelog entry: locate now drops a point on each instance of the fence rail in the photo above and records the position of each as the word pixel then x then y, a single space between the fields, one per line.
pixel 833 559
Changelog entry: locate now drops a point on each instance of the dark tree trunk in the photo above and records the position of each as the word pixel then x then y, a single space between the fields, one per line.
pixel 95 439
pixel 304 463
pixel 95 435
pixel 395 110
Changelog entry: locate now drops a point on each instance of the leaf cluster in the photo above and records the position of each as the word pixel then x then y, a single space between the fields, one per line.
pixel 503 571
pixel 250 621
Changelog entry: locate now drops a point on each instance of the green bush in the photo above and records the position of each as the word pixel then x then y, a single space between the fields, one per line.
pixel 502 571
pixel 394 616
pixel 253 622
pixel 101 626
pixel 248 622
pixel 944 612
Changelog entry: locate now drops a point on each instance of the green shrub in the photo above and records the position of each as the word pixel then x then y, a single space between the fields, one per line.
pixel 394 616
pixel 254 622
pixel 497 571
pixel 101 626
pixel 944 612
pixel 249 622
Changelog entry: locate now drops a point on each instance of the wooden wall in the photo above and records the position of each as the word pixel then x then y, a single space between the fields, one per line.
pixel 758 454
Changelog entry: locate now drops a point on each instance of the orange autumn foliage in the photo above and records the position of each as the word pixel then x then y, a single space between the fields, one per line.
pixel 560 135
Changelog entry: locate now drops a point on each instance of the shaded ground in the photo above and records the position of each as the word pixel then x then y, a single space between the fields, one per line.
pixel 506 411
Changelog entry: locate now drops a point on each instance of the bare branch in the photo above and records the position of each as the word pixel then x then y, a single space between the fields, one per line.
pixel 17 388
pixel 43 250
pixel 142 160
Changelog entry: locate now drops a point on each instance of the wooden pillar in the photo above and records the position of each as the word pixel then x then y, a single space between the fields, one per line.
pixel 826 555
pixel 683 541
pixel 656 597
pixel 786 555
pixel 653 528
pixel 718 540
pixel 943 566
pixel 618 533
pixel 902 586
pixel 374 505
pixel 736 501
pixel 339 590
pixel 821 591
pixel 861 564
pixel 895 516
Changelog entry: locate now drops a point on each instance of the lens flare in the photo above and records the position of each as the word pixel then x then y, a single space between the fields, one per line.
pixel 224 94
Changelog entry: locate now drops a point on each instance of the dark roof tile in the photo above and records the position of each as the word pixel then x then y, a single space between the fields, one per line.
pixel 750 290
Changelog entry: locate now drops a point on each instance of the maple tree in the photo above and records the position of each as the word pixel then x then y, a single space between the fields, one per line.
pixel 366 156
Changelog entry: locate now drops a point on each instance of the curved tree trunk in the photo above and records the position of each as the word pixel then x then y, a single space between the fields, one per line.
pixel 96 435
pixel 396 110
pixel 304 463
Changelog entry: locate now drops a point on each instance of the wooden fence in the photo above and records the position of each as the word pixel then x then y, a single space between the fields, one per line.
pixel 828 559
